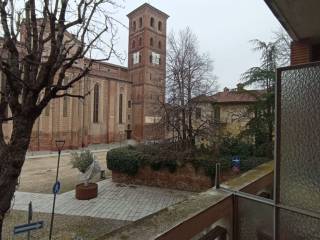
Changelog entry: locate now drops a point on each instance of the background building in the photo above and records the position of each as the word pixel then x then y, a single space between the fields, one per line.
pixel 123 102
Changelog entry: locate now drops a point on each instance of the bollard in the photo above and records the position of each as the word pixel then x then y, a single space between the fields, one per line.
pixel 217 177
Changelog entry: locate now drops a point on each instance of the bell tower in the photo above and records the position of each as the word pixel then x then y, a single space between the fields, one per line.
pixel 147 69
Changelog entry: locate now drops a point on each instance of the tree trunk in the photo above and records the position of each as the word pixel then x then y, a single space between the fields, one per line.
pixel 12 157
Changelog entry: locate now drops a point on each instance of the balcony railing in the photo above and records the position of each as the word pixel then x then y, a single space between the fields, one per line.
pixel 208 215
pixel 236 211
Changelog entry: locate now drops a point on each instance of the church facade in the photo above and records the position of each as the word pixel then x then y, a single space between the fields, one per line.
pixel 123 102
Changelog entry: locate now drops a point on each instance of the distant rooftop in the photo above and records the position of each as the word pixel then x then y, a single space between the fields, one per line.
pixel 233 96
pixel 147 5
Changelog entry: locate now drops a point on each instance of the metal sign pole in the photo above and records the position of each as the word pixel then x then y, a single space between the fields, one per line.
pixel 56 186
pixel 30 213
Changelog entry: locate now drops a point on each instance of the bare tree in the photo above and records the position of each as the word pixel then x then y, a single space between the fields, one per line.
pixel 283 43
pixel 54 36
pixel 189 75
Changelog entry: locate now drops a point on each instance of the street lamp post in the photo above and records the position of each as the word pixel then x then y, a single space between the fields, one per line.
pixel 56 186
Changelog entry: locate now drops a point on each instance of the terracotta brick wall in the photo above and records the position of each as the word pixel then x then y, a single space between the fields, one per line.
pixel 186 178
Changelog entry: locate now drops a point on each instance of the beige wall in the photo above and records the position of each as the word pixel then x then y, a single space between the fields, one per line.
pixel 77 127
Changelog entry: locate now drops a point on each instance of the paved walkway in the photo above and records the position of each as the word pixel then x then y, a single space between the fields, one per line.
pixel 114 201
pixel 95 148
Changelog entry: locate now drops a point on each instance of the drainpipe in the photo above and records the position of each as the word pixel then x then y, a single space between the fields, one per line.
pixel 39 133
pixel 83 112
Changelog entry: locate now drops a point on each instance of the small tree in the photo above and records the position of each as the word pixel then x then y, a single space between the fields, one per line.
pixel 54 36
pixel 82 162
pixel 189 75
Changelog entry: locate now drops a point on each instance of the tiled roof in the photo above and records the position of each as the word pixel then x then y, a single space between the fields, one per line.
pixel 232 96
pixel 243 96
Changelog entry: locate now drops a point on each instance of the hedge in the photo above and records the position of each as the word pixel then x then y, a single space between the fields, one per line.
pixel 129 159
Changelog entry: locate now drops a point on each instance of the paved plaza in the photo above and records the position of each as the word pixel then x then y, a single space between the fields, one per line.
pixel 114 201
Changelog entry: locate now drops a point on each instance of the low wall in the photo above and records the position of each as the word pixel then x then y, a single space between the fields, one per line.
pixel 184 178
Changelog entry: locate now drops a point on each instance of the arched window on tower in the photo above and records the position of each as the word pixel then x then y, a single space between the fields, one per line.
pixel 152 22
pixel 159 45
pixel 134 25
pixel 120 108
pixel 160 26
pixel 151 42
pixel 133 44
pixel 140 41
pixel 96 103
pixel 140 22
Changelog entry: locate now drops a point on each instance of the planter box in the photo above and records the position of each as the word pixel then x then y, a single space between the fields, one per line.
pixel 86 192
pixel 185 178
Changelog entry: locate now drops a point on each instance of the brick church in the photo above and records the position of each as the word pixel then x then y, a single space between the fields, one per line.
pixel 123 102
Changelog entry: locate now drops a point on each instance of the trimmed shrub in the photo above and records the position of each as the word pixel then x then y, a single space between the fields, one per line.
pixel 163 156
pixel 252 162
pixel 156 165
pixel 124 160
pixel 232 146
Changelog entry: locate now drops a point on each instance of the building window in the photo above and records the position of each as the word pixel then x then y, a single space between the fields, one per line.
pixel 140 41
pixel 120 108
pixel 96 104
pixel 65 106
pixel 151 42
pixel 159 44
pixel 198 113
pixel 129 117
pixel 155 58
pixel 136 58
pixel 160 26
pixel 133 44
pixel 65 99
pixel 134 26
pixel 140 22
pixel 152 22
pixel 217 114
pixel 129 104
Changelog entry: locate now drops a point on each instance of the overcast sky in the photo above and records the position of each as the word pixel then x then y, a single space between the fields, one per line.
pixel 224 29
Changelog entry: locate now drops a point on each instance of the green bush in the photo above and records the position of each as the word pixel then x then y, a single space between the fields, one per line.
pixel 171 165
pixel 160 156
pixel 156 165
pixel 252 162
pixel 124 160
pixel 233 146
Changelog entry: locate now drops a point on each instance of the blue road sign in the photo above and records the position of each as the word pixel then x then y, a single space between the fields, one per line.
pixel 27 227
pixel 236 163
pixel 56 187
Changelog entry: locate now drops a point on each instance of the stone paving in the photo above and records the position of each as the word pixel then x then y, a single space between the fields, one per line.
pixel 114 201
